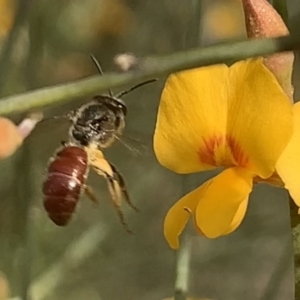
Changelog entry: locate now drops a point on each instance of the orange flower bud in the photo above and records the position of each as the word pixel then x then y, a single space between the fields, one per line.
pixel 10 138
pixel 262 20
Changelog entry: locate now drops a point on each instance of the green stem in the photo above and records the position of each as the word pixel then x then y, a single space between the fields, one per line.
pixel 182 268
pixel 25 160
pixel 193 32
pixel 147 68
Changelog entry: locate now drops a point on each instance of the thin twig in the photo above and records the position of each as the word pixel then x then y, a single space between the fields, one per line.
pixel 194 28
pixel 148 68
pixel 182 268
pixel 22 214
pixel 24 195
pixel 27 177
pixel 76 253
pixel 294 218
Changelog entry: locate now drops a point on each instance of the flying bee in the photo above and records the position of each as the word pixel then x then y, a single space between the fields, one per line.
pixel 66 181
pixel 94 127
pixel 101 120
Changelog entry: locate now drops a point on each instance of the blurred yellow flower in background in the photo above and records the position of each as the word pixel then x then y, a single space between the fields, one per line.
pixel 4 287
pixel 7 17
pixel 114 18
pixel 234 117
pixel 223 19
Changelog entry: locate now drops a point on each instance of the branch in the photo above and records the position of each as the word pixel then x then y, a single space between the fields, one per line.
pixel 182 268
pixel 147 68
pixel 76 253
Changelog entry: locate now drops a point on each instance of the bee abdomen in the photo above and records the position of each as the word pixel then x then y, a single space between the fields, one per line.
pixel 63 185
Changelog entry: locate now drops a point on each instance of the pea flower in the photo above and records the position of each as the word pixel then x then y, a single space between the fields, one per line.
pixel 12 136
pixel 235 117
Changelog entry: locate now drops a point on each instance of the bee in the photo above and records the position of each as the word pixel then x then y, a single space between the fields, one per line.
pixel 66 181
pixel 94 127
pixel 101 120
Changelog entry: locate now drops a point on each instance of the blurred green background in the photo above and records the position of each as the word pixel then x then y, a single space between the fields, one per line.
pixel 93 258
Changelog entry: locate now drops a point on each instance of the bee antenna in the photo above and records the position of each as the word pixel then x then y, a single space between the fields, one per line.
pixel 121 94
pixel 98 66
pixel 53 118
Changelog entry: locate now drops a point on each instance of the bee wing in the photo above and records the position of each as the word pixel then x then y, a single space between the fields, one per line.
pixel 138 144
pixel 57 126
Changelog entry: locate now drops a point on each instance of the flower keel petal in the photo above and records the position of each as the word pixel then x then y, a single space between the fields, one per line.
pixel 239 217
pixel 179 214
pixel 223 205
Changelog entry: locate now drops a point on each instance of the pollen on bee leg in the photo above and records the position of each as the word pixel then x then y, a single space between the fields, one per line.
pixel 115 196
pixel 121 183
pixel 103 168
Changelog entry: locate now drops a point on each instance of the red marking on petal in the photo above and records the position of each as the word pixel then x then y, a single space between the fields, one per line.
pixel 207 153
pixel 222 151
pixel 237 153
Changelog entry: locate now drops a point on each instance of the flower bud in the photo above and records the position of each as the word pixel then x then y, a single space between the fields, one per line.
pixel 262 20
pixel 10 139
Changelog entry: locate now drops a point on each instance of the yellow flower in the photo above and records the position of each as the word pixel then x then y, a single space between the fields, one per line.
pixel 236 117
pixel 288 165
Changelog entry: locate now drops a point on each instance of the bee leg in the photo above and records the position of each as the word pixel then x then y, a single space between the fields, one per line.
pixel 90 194
pixel 118 176
pixel 114 189
pixel 115 194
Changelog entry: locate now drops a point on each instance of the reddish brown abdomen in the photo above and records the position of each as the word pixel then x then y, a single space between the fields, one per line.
pixel 62 187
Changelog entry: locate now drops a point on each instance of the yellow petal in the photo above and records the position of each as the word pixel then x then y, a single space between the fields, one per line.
pixel 222 207
pixel 179 214
pixel 238 217
pixel 288 165
pixel 192 115
pixel 260 121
